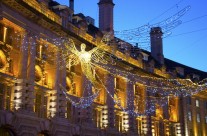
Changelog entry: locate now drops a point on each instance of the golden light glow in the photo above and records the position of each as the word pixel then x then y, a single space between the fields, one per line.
pixel 42 9
pixel 5 33
pixel 3 60
pixel 40 52
pixel 72 56
pixel 86 57
pixel 38 73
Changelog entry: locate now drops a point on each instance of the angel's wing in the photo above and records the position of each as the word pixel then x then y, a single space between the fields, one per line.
pixel 70 53
pixel 72 60
pixel 69 47
pixel 100 56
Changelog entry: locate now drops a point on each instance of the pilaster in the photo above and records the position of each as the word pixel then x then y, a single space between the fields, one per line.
pixel 60 98
pixel 24 56
pixel 151 112
pixel 31 73
pixel 86 113
pixel 130 105
pixel 109 100
pixel 20 84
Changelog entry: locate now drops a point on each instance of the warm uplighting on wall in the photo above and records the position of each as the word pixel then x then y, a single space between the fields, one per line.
pixel 52 103
pixel 126 122
pixel 42 9
pixel 3 61
pixel 105 116
pixel 5 34
pixel 18 96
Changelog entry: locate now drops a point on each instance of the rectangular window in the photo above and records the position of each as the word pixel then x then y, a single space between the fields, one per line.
pixel 189 100
pixel 206 119
pixel 38 102
pixel 118 122
pixel 1 32
pixel 197 103
pixel 1 97
pixel 8 98
pixel 116 81
pixel 9 34
pixel 206 105
pixel 189 116
pixel 198 118
pixel 45 107
pixel 69 113
pixel 97 117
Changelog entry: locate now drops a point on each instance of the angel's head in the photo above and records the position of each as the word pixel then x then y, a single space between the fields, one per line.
pixel 83 47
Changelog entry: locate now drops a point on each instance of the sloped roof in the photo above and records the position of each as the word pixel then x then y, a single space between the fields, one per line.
pixel 187 70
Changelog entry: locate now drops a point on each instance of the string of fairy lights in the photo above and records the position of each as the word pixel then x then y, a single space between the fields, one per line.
pixel 89 60
pixel 141 34
pixel 85 58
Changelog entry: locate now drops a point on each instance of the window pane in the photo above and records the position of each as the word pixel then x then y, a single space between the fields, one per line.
pixel 189 116
pixel 197 103
pixel 198 117
pixel 206 119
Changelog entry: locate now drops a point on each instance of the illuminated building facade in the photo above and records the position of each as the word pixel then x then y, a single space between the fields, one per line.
pixel 31 70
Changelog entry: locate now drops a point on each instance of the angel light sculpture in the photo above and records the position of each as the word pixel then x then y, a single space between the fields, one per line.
pixel 87 59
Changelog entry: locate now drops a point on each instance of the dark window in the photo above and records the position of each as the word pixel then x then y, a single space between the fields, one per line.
pixel 189 100
pixel 9 36
pixel 1 97
pixel 69 113
pixel 5 132
pixel 38 105
pixel 206 105
pixel 1 32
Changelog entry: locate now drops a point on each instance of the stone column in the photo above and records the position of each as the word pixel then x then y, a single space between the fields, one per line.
pixel 63 100
pixel 130 105
pixel 86 113
pixel 164 122
pixel 24 56
pixel 31 74
pixel 60 104
pixel 202 116
pixel 150 113
pixel 183 112
pixel 55 94
pixel 20 84
pixel 109 100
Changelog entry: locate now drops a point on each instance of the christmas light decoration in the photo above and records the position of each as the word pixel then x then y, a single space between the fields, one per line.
pixel 96 57
pixel 141 36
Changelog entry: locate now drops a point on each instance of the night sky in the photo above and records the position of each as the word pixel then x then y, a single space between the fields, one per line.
pixel 187 43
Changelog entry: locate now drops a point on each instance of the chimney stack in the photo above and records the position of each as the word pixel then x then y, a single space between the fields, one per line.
pixel 71 4
pixel 106 15
pixel 156 44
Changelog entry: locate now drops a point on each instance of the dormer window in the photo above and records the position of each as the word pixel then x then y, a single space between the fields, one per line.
pixel 180 71
pixel 145 56
pixel 196 76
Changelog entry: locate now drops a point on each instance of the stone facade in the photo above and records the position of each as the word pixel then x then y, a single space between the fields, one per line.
pixel 31 71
